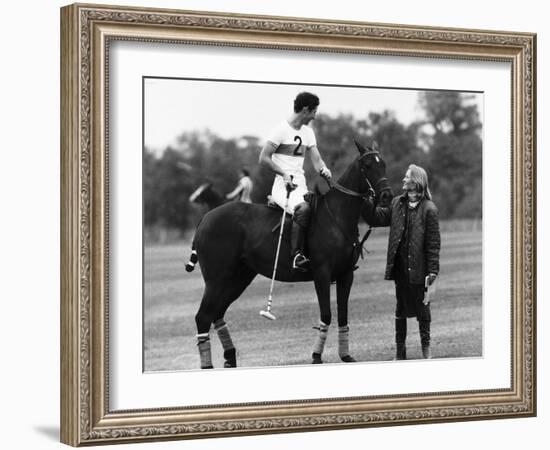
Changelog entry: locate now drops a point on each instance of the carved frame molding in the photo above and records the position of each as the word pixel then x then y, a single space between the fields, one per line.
pixel 86 32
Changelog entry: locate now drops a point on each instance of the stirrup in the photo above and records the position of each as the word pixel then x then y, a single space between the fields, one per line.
pixel 300 262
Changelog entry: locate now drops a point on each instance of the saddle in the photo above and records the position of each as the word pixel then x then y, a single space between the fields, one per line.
pixel 271 203
pixel 288 218
pixel 310 197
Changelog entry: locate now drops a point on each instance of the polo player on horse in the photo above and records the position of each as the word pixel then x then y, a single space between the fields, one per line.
pixel 284 153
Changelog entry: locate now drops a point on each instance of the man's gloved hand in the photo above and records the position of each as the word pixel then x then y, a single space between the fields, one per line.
pixel 289 184
pixel 431 278
pixel 325 173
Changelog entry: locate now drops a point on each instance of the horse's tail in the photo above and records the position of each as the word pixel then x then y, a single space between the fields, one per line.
pixel 190 266
pixel 194 258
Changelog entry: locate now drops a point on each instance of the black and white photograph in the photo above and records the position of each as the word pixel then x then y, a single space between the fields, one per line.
pixel 292 224
pixel 157 222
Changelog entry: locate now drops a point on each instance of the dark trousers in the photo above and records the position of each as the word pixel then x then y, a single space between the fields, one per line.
pixel 300 221
pixel 410 299
pixel 410 304
pixel 302 214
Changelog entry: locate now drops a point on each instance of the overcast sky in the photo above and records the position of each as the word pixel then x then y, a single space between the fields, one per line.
pixel 232 109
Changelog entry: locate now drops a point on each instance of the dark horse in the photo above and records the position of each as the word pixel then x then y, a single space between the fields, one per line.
pixel 207 195
pixel 237 241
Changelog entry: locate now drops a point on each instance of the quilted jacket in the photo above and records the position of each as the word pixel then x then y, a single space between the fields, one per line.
pixel 424 236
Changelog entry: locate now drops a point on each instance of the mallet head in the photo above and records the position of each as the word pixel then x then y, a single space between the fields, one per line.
pixel 267 315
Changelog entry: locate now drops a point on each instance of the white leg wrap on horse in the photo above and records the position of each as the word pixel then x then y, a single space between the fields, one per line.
pixel 223 333
pixel 321 338
pixel 343 341
pixel 205 352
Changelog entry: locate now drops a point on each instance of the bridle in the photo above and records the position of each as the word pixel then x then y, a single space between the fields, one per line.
pixel 371 192
pixel 369 195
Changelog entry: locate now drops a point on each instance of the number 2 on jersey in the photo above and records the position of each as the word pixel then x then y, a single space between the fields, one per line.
pixel 297 151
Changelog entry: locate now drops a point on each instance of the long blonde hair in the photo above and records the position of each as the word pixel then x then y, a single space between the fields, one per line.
pixel 420 178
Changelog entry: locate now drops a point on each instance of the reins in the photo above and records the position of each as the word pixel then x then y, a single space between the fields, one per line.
pixel 345 190
pixel 355 242
pixel 372 190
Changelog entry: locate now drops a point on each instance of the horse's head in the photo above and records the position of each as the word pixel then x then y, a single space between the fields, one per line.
pixel 198 196
pixel 373 171
pixel 206 195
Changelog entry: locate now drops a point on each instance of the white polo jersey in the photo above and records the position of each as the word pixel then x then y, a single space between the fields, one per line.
pixel 291 147
pixel 245 183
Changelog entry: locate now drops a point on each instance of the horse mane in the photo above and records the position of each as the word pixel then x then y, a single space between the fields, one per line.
pixel 349 173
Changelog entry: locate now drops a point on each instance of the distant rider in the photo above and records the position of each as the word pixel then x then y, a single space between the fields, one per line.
pixel 243 189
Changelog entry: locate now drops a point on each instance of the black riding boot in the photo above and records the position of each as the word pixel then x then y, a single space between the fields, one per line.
pixel 298 236
pixel 424 327
pixel 400 337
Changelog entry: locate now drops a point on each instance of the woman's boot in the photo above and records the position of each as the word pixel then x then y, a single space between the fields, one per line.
pixel 424 327
pixel 400 337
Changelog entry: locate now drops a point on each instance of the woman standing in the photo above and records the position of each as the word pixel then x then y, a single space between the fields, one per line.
pixel 413 253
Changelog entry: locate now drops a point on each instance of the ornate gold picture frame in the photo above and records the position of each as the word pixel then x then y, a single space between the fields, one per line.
pixel 87 414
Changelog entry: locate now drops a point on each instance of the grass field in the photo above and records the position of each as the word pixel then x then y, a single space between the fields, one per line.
pixel 172 297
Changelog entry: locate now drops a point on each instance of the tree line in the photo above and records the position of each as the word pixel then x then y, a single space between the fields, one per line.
pixel 447 143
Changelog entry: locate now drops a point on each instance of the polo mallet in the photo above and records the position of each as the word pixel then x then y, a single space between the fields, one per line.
pixel 267 312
